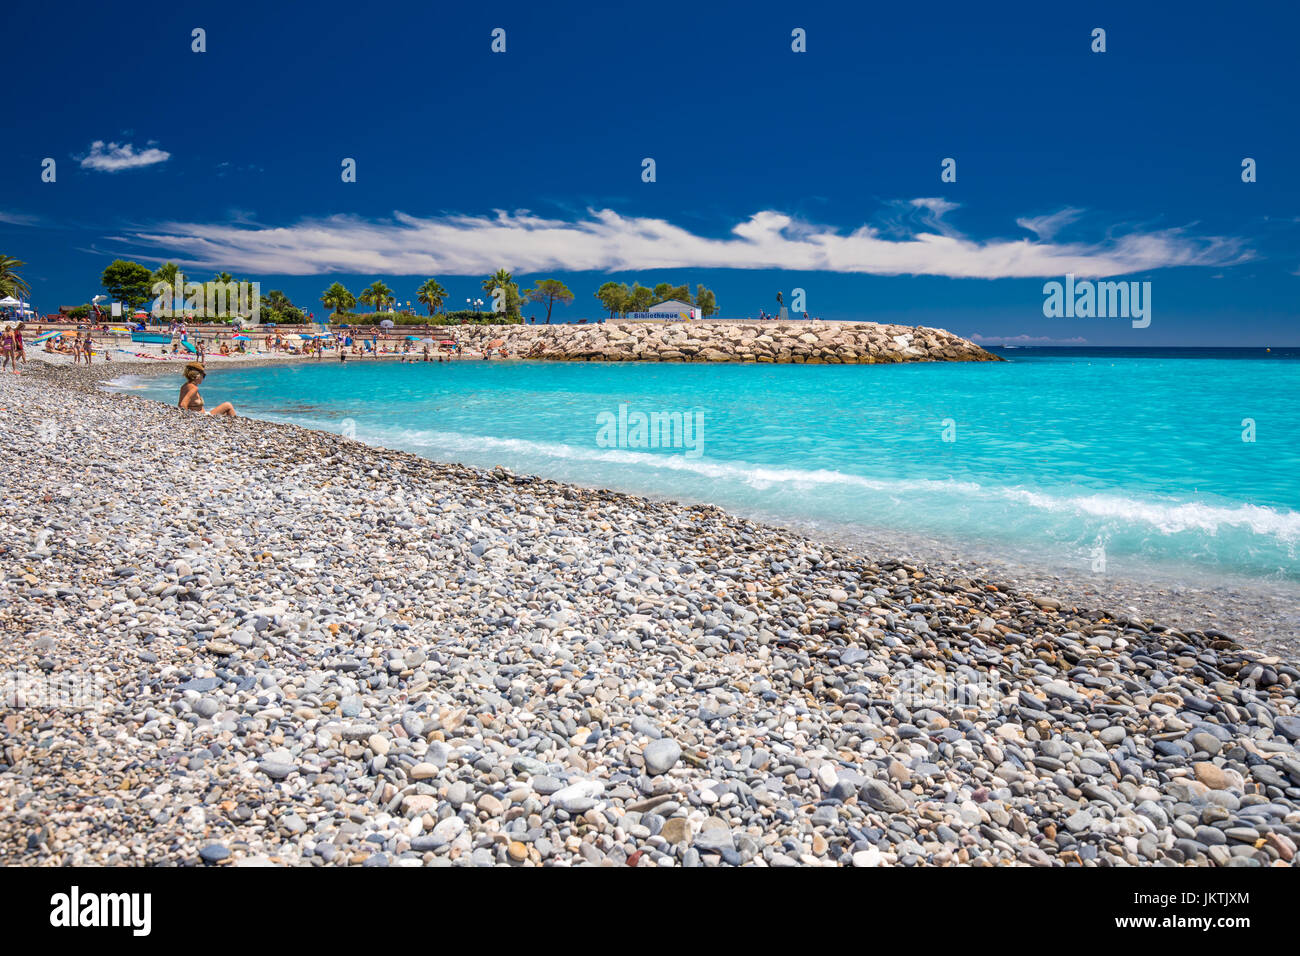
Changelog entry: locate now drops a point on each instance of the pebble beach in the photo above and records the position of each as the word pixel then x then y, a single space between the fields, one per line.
pixel 233 643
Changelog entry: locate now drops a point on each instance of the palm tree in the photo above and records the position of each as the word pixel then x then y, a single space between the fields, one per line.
pixel 502 279
pixel 377 295
pixel 225 278
pixel 167 273
pixel 11 283
pixel 431 295
pixel 338 298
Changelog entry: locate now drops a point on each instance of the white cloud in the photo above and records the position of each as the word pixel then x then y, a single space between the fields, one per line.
pixel 113 158
pixel 18 218
pixel 604 240
pixel 1045 227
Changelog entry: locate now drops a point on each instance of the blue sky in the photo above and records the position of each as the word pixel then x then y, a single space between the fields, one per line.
pixel 775 170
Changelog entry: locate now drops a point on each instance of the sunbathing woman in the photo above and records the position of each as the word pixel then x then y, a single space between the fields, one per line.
pixel 191 400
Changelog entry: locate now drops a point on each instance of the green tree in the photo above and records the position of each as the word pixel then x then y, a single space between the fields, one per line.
pixel 502 279
pixel 338 299
pixel 662 293
pixel 377 295
pixel 167 273
pixel 11 283
pixel 614 296
pixel 549 292
pixel 431 295
pixel 681 293
pixel 640 298
pixel 705 301
pixel 278 309
pixel 128 282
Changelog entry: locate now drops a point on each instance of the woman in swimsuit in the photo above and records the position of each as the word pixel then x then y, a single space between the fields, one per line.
pixel 6 349
pixel 191 400
pixel 19 351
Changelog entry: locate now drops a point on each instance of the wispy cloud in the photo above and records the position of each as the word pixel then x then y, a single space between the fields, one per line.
pixel 115 157
pixel 1046 227
pixel 604 240
pixel 904 218
pixel 18 218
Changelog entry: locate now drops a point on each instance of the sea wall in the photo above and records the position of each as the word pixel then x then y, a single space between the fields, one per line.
pixel 811 343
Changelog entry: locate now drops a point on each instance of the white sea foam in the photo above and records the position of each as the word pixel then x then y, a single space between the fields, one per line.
pixel 1167 517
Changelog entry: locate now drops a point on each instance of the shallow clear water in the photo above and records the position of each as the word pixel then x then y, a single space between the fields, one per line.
pixel 1063 456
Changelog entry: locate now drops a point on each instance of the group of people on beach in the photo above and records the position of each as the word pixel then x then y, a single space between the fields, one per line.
pixel 79 346
pixel 765 316
pixel 11 347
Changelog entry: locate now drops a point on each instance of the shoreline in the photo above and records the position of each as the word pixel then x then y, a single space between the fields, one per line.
pixel 1259 613
pixel 333 653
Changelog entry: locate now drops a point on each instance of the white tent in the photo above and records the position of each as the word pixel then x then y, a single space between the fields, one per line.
pixel 21 308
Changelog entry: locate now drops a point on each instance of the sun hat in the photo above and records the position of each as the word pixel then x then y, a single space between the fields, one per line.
pixel 196 367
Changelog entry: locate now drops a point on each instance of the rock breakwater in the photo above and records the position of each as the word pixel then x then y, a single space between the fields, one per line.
pixel 811 343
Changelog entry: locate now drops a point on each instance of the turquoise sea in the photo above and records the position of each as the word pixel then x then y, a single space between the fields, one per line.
pixel 1104 459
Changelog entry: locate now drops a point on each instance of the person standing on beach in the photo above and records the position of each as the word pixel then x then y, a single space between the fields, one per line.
pixel 19 351
pixel 86 345
pixel 6 349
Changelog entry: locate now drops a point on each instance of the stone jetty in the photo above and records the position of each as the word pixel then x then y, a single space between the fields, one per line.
pixel 808 343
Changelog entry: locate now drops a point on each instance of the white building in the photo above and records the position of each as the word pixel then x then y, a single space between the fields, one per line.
pixel 670 311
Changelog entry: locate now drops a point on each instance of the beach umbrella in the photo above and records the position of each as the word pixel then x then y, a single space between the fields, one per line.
pixel 412 338
pixel 240 338
pixel 294 336
pixel 386 324
pixel 47 335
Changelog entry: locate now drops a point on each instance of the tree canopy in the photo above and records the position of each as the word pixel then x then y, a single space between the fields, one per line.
pixel 548 292
pixel 337 298
pixel 431 295
pixel 11 283
pixel 128 282
pixel 377 295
